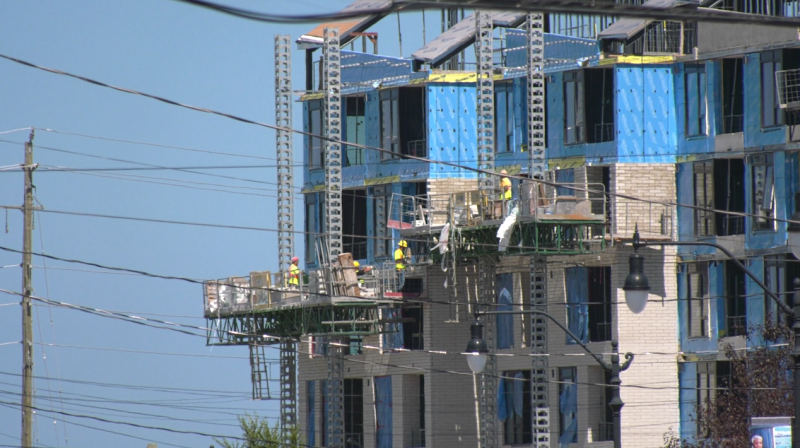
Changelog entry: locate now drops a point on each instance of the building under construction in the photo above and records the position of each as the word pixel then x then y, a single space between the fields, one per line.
pixel 595 121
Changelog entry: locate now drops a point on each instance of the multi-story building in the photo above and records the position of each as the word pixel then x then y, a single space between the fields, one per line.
pixel 636 116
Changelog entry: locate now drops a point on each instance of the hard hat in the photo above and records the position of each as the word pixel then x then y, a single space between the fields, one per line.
pixel 503 172
pixel 294 259
pixel 355 263
pixel 402 243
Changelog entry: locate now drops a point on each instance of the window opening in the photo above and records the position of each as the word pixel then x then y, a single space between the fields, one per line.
pixel 599 304
pixel 515 400
pixel 732 96
pixel 728 193
pixel 404 136
pixel 779 274
pixel 311 230
pixel 412 330
pixel 353 413
pixel 706 385
pixel 763 205
pixel 735 301
pixel 316 153
pixel 505 116
pixel 600 105
pixel 418 435
pixel 697 299
pixel 566 177
pixel 695 96
pixel 354 226
pixel 355 130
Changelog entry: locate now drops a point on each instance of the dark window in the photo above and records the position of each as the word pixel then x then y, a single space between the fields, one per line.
pixel 729 196
pixel 695 95
pixel 599 105
pixel 771 114
pixel 355 344
pixel 316 152
pixel 354 226
pixel 697 299
pixel 574 131
pixel 599 304
pixel 355 130
pixel 568 405
pixel 504 118
pixel 735 301
pixel 418 435
pixel 724 374
pixel 311 420
pixel 763 205
pixel 605 431
pixel 732 96
pixel 403 122
pixel 353 413
pixel 412 330
pixel 517 428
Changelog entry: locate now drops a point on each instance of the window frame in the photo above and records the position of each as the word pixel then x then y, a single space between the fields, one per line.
pixel 574 115
pixel 518 430
pixel 566 375
pixel 695 89
pixel 771 113
pixel 353 409
pixel 735 301
pixel 504 109
pixel 697 300
pixel 316 146
pixel 389 103
pixel 703 192
pixel 763 218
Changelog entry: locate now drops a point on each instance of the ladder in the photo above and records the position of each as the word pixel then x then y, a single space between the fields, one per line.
pixel 335 396
pixel 259 372
pixel 540 403
pixel 488 380
pixel 288 366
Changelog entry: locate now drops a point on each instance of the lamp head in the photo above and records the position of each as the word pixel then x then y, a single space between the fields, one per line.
pixel 476 351
pixel 636 285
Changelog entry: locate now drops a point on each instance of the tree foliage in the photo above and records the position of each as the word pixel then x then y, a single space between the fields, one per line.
pixel 760 385
pixel 257 433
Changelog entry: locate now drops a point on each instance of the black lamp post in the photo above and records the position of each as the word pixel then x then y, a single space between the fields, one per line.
pixel 477 352
pixel 794 243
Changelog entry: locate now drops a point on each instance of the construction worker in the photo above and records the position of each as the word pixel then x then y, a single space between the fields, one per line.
pixel 400 261
pixel 505 186
pixel 294 274
pixel 505 190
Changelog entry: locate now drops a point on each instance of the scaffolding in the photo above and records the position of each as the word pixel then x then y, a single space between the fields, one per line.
pixel 540 402
pixel 488 379
pixel 283 146
pixel 484 47
pixel 537 139
pixel 333 149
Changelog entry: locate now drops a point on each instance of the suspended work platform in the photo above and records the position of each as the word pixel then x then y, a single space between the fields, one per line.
pixel 263 309
pixel 537 221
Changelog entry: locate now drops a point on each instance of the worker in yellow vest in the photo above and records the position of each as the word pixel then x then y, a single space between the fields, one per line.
pixel 505 186
pixel 294 274
pixel 400 260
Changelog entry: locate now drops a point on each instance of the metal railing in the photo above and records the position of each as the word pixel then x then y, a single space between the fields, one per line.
pixel 652 219
pixel 603 132
pixel 732 124
pixel 416 148
pixel 788 86
pixel 605 433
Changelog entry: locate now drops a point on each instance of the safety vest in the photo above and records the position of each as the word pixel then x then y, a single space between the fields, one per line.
pixel 505 194
pixel 398 258
pixel 294 275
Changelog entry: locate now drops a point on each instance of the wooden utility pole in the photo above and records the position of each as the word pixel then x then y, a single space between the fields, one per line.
pixel 27 290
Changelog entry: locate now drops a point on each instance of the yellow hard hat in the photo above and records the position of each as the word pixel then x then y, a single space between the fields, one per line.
pixel 402 243
pixel 355 263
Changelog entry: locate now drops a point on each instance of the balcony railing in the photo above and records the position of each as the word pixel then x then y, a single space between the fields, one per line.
pixel 416 148
pixel 605 432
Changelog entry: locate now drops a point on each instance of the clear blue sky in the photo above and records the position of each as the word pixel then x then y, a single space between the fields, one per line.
pixel 187 54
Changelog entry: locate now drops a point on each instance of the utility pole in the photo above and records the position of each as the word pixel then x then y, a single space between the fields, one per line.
pixel 27 290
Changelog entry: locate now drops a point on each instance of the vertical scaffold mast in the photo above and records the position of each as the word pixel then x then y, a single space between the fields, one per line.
pixel 537 142
pixel 484 48
pixel 333 218
pixel 283 145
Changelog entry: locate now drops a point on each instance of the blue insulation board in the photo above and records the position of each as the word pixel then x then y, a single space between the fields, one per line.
pixel 452 129
pixel 646 129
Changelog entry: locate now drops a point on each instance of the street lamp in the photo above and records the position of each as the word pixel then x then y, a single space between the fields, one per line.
pixel 794 233
pixel 477 353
